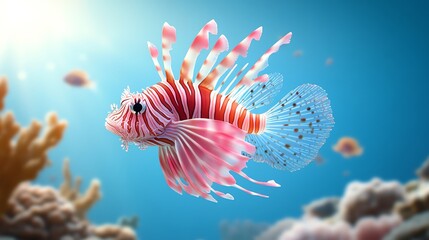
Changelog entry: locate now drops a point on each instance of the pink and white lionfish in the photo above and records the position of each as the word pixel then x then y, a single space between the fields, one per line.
pixel 204 126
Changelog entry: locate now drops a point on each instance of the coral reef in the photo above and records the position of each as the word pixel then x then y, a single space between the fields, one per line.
pixel 322 208
pixel 275 231
pixel 70 191
pixel 3 91
pixel 375 228
pixel 416 228
pixel 416 200
pixel 317 229
pixel 372 210
pixel 131 222
pixel 241 230
pixel 41 213
pixel 423 171
pixel 368 228
pixel 369 199
pixel 36 212
pixel 23 154
pixel 110 231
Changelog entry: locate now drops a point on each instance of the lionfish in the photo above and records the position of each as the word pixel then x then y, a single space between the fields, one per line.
pixel 204 125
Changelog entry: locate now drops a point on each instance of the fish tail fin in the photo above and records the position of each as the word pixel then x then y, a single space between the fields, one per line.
pixel 92 85
pixel 296 128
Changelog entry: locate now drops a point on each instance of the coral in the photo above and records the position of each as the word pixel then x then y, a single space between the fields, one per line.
pixel 322 208
pixel 274 232
pixel 423 171
pixel 375 228
pixel 317 229
pixel 411 186
pixel 241 230
pixel 416 228
pixel 70 191
pixel 116 232
pixel 3 91
pixel 22 159
pixel 41 213
pixel 348 147
pixel 416 201
pixel 35 212
pixel 367 211
pixel 131 222
pixel 369 199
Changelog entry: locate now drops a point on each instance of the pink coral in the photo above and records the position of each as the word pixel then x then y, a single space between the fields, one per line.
pixel 317 229
pixel 375 228
pixel 373 198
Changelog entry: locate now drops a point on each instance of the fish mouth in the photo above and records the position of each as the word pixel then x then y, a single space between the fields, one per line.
pixel 112 128
pixel 110 123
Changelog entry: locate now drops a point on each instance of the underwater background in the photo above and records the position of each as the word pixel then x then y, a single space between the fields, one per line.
pixel 370 56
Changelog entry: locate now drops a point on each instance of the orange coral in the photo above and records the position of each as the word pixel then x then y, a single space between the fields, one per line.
pixel 23 154
pixel 3 91
pixel 70 191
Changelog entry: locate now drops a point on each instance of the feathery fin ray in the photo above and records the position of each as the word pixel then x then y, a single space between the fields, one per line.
pixel 228 62
pixel 220 46
pixel 168 38
pixel 204 152
pixel 297 127
pixel 154 54
pixel 200 42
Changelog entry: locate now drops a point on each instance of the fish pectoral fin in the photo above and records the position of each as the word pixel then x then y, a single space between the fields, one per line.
pixel 204 152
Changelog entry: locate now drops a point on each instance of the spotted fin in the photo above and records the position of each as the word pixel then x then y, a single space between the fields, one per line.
pixel 259 94
pixel 205 151
pixel 297 127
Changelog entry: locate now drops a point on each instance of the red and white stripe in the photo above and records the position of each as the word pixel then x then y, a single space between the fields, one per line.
pixel 203 103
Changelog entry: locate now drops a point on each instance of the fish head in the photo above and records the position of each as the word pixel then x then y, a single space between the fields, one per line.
pixel 134 120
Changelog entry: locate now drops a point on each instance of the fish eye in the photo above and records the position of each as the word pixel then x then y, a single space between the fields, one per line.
pixel 138 107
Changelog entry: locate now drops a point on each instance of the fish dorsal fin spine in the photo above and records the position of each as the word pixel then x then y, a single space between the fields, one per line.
pixel 209 73
pixel 168 38
pixel 200 42
pixel 229 61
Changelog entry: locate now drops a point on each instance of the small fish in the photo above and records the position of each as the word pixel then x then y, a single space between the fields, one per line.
pixel 79 78
pixel 319 159
pixel 204 125
pixel 348 147
pixel 346 173
pixel 329 61
pixel 297 53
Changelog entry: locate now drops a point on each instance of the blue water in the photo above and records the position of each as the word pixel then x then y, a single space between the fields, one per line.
pixel 378 85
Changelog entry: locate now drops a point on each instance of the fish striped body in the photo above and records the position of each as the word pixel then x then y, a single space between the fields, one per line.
pixel 188 101
pixel 204 127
